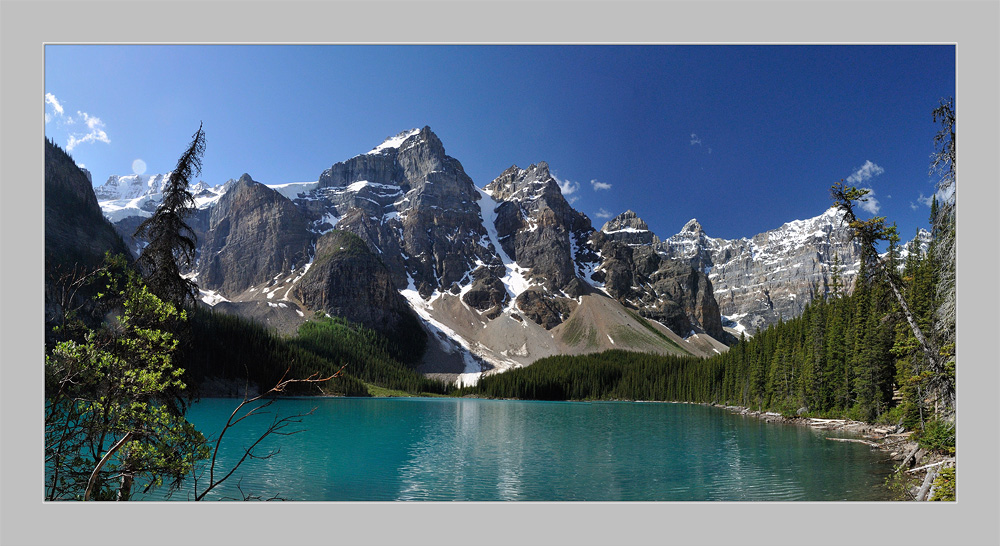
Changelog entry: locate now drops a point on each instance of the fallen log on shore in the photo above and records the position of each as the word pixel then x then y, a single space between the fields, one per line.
pixel 926 466
pixel 922 494
pixel 866 442
pixel 906 459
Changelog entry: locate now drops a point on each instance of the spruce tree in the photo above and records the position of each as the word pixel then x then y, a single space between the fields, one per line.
pixel 869 233
pixel 171 241
pixel 835 280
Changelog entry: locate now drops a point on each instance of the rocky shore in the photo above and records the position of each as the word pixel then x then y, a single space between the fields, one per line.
pixel 917 467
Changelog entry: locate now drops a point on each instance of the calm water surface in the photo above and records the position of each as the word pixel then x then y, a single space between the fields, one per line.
pixel 361 449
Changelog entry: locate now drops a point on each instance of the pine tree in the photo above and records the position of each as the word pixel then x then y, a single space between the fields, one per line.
pixel 171 241
pixel 943 223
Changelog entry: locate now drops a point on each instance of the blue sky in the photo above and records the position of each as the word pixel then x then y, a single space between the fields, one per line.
pixel 743 138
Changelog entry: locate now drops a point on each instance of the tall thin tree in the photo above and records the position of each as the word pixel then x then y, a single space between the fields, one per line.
pixel 943 161
pixel 171 241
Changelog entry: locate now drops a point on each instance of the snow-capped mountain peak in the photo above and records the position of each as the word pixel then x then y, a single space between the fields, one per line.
pixel 393 142
pixel 131 186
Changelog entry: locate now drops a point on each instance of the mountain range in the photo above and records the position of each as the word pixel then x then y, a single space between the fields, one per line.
pixel 402 240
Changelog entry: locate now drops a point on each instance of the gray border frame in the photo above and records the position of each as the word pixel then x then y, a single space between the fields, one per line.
pixel 24 519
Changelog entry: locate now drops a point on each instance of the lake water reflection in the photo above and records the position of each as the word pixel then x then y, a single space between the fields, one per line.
pixel 358 449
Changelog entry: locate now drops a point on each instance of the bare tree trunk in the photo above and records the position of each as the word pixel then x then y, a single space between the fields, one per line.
pixel 104 460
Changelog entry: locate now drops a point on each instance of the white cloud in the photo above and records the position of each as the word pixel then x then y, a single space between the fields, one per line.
pixel 865 172
pixel 573 199
pixel 48 118
pixel 868 203
pixel 943 196
pixel 696 141
pixel 913 206
pixel 96 132
pixel 602 214
pixel 51 99
pixel 92 122
pixel 566 186
pixel 599 185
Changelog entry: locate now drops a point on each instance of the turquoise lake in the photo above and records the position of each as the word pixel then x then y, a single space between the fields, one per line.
pixel 431 449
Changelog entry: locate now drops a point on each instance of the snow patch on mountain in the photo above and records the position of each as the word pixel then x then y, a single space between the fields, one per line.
pixel 514 278
pixel 393 142
pixel 139 195
pixel 294 190
pixel 447 338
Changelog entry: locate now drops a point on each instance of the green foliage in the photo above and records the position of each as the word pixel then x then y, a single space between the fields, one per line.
pixel 937 435
pixel 232 347
pixel 117 385
pixel 944 485
pixel 900 485
pixel 655 332
pixel 611 375
pixel 369 356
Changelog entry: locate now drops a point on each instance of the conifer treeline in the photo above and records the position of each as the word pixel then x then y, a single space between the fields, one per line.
pixel 232 347
pixel 369 356
pixel 846 355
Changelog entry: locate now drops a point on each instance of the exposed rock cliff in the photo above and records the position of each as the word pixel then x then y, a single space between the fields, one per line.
pixel 538 230
pixel 667 290
pixel 255 234
pixel 628 228
pixel 413 205
pixel 773 274
pixel 347 280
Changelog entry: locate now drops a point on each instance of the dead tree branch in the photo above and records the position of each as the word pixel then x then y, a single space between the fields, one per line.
pixel 249 407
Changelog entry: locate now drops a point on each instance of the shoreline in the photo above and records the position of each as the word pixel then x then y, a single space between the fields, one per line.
pixel 917 466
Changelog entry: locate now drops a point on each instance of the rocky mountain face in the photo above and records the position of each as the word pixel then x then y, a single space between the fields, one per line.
pixel 498 276
pixel 774 274
pixel 346 279
pixel 128 200
pixel 131 186
pixel 76 233
pixel 539 232
pixel 414 205
pixel 254 235
pixel 670 291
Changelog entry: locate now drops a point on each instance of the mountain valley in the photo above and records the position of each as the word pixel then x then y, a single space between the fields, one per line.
pixel 401 240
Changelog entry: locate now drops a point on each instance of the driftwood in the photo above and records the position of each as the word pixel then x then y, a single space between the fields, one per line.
pixel 866 442
pixel 946 461
pixel 909 456
pixel 928 480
